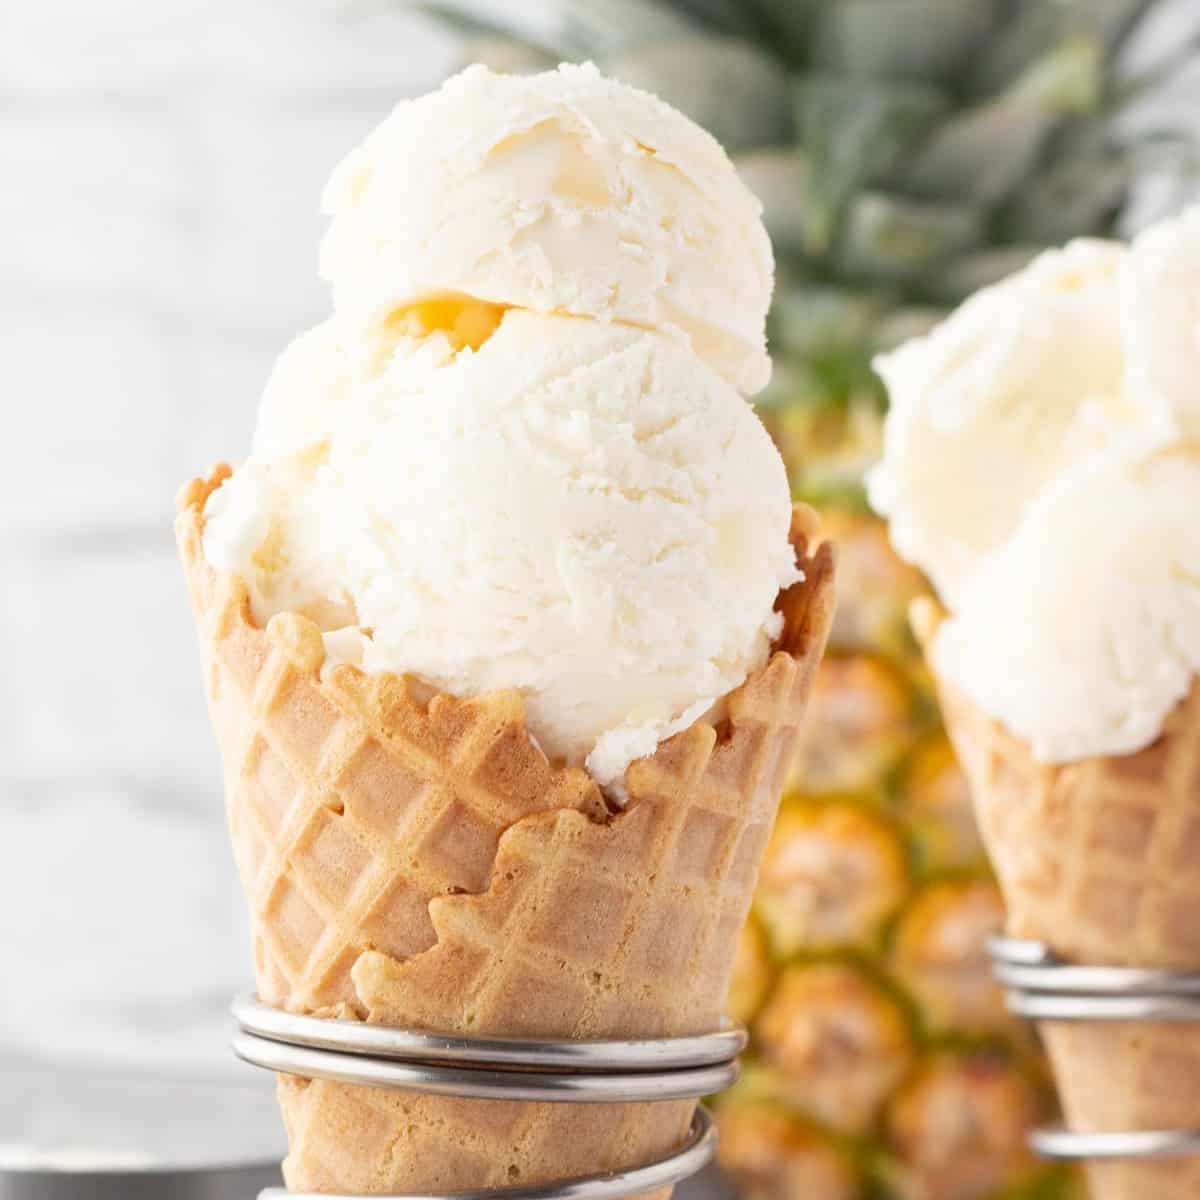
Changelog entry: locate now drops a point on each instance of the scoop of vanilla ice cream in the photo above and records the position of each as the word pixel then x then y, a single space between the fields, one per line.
pixel 987 408
pixel 1082 632
pixel 310 382
pixel 1160 314
pixel 560 192
pixel 585 511
pixel 1042 465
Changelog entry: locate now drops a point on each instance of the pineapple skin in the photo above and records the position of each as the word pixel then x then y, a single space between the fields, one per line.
pixel 834 1043
pixel 836 870
pixel 777 1154
pixel 956 1130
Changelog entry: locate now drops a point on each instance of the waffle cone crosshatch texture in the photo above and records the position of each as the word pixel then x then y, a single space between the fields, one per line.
pixel 416 861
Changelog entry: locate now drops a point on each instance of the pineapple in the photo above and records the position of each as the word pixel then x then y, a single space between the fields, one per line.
pixel 907 152
pixel 834 872
pixel 958 1125
pixel 937 806
pixel 777 1154
pixel 835 1042
pixel 937 953
pixel 862 716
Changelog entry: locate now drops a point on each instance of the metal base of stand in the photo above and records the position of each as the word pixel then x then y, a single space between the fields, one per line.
pixel 1044 988
pixel 536 1070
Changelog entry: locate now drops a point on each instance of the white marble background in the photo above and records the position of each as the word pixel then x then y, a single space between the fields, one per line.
pixel 160 163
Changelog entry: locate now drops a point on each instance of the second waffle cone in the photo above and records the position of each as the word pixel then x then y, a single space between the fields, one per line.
pixel 415 860
pixel 1100 861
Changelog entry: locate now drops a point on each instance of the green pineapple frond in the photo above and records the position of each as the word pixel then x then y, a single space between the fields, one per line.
pixel 732 87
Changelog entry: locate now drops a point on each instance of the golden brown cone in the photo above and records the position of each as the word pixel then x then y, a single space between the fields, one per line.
pixel 1100 860
pixel 417 862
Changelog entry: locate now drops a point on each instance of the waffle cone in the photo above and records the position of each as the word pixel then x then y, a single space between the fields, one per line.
pixel 416 861
pixel 1100 860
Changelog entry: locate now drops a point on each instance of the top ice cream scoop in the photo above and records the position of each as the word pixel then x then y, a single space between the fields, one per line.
pixel 1042 465
pixel 514 457
pixel 562 192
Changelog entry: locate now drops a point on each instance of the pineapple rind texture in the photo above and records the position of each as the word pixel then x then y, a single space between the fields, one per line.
pixel 776 1153
pixel 957 1128
pixel 862 718
pixel 933 796
pixel 753 973
pixel 938 954
pixel 835 872
pixel 835 1042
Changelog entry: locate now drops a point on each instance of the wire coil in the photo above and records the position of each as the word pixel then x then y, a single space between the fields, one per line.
pixel 1030 967
pixel 538 1070
pixel 1042 987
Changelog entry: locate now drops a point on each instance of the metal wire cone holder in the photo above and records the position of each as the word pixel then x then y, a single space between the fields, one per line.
pixel 1042 987
pixel 591 1072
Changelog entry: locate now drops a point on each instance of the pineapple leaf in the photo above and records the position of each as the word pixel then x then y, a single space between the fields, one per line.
pixel 1032 27
pixel 783 24
pixel 887 237
pixel 779 177
pixel 722 16
pixel 853 131
pixel 1073 197
pixel 980 155
pixel 1070 79
pixel 813 319
pixel 891 39
pixel 731 86
pixel 964 275
pixel 1035 27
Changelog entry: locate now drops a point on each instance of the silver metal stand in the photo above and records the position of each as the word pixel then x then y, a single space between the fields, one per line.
pixel 580 1072
pixel 1042 987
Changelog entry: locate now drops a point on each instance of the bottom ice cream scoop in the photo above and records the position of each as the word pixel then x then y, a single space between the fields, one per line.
pixel 495 499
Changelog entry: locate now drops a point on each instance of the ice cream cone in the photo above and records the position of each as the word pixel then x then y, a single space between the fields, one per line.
pixel 414 860
pixel 1100 860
